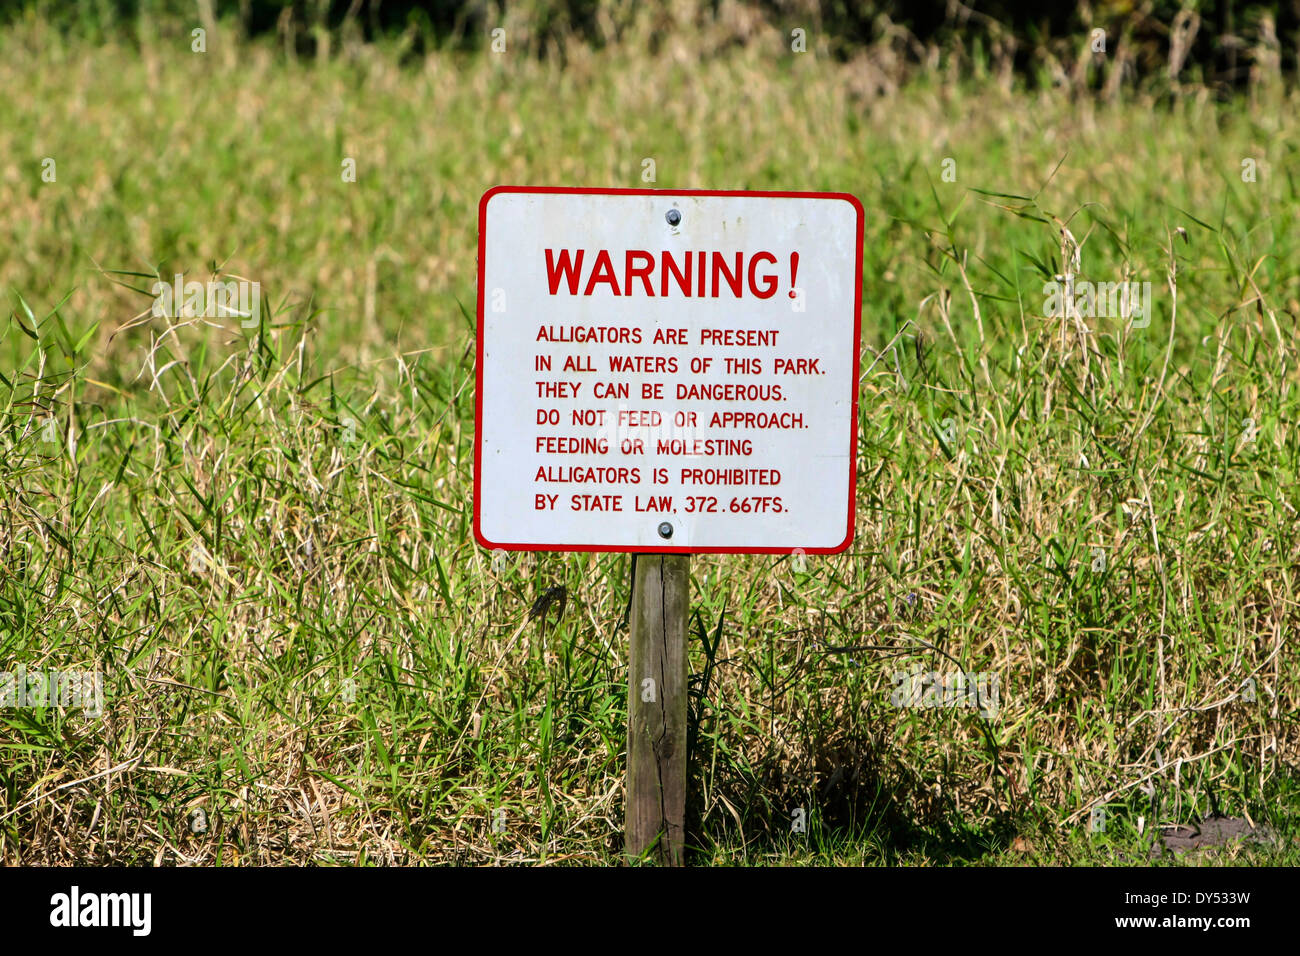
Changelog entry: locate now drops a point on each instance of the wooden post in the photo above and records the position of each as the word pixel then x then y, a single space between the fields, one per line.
pixel 656 708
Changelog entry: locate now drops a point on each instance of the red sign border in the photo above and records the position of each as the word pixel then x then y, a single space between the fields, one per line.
pixel 666 194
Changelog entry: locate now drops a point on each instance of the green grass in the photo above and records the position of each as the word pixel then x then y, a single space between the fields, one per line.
pixel 232 523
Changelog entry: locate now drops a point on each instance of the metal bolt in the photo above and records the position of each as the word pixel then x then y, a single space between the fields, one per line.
pixel 665 530
pixel 673 217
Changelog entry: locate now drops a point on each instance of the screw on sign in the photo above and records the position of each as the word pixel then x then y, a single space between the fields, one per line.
pixel 665 373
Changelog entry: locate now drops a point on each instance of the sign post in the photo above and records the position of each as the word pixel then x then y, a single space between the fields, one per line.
pixel 655 818
pixel 666 373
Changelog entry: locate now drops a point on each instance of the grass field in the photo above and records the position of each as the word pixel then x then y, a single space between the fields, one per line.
pixel 261 536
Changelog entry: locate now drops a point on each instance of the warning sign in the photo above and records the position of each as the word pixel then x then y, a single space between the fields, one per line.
pixel 667 371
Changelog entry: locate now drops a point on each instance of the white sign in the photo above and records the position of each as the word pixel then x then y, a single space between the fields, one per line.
pixel 667 372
